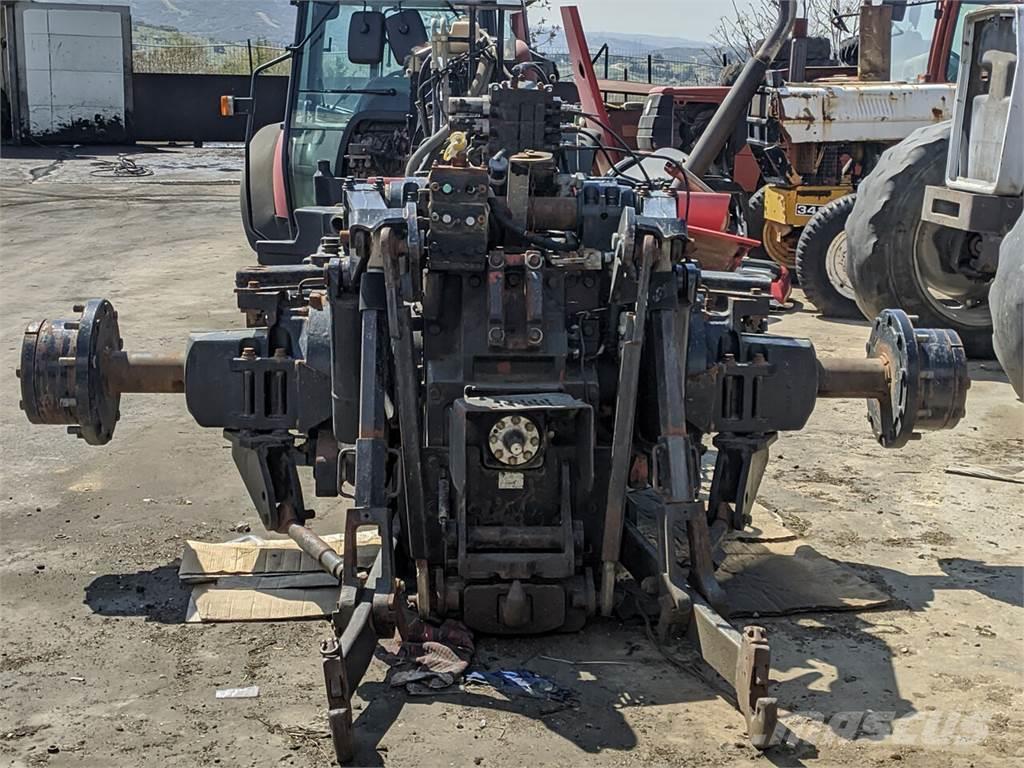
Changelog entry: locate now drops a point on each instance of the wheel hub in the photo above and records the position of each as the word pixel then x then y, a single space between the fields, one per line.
pixel 835 267
pixel 952 294
pixel 779 243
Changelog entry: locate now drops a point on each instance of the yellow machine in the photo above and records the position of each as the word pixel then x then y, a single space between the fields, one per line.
pixel 787 210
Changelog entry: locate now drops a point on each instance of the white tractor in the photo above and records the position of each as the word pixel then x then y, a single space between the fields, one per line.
pixel 942 209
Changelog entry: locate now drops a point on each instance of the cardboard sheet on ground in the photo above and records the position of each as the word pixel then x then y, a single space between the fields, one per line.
pixel 771 574
pixel 254 556
pixel 768 570
pixel 256 579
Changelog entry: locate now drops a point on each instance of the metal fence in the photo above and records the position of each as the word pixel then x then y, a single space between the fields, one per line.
pixel 242 58
pixel 645 68
pixel 213 59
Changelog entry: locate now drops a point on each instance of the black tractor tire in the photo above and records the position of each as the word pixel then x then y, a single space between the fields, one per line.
pixel 887 241
pixel 821 272
pixel 1006 298
pixel 755 222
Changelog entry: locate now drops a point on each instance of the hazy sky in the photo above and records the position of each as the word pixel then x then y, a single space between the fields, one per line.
pixel 694 19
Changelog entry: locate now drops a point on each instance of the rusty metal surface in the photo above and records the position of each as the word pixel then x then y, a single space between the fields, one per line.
pixel 874 63
pixel 846 110
pixel 146 372
pixel 850 377
pixel 743 660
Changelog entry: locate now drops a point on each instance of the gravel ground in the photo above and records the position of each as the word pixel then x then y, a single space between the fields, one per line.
pixel 97 668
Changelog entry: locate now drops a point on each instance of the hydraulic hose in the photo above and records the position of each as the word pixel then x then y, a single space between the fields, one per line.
pixel 428 147
pixel 734 106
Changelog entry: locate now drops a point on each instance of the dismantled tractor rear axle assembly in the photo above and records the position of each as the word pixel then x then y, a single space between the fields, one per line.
pixel 513 371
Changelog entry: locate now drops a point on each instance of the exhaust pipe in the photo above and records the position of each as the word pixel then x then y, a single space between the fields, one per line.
pixel 734 106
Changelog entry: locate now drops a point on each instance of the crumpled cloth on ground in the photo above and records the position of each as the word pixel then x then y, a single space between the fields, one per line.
pixel 521 682
pixel 429 659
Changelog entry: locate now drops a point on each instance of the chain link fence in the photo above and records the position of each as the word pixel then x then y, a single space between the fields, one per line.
pixel 213 59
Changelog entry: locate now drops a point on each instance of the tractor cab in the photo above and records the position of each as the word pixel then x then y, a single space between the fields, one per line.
pixel 350 106
pixel 349 101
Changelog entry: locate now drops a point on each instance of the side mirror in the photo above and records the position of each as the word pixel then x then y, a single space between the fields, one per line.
pixel 366 37
pixel 405 32
pixel 899 8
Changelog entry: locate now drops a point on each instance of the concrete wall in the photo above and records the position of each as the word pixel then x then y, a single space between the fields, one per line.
pixel 74 63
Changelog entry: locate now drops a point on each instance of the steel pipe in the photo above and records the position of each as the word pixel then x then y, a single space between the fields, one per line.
pixel 734 106
pixel 852 378
pixel 145 372
pixel 317 548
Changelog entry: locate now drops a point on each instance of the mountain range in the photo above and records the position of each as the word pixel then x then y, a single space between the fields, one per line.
pixel 274 20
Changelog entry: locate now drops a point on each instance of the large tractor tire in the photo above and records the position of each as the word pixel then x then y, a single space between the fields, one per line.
pixel 1007 302
pixel 821 260
pixel 896 260
pixel 755 221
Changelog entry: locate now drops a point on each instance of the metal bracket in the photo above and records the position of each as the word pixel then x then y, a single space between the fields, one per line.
pixel 622 438
pixel 743 660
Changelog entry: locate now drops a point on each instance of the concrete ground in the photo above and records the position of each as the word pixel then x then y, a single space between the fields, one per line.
pixel 97 668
